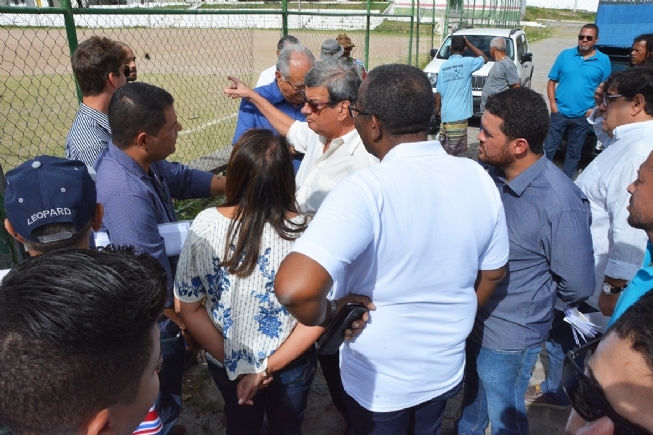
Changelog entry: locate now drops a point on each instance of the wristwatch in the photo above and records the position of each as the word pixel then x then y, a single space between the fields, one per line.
pixel 609 290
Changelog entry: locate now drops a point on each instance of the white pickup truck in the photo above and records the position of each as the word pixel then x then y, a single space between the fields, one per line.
pixel 516 50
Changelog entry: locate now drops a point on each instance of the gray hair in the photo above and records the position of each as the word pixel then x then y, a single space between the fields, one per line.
pixel 286 56
pixel 339 77
pixel 498 43
pixel 286 41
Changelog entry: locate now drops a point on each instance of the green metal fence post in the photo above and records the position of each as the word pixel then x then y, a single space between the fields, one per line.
pixel 417 37
pixel 432 23
pixel 445 22
pixel 410 36
pixel 367 34
pixel 284 17
pixel 71 33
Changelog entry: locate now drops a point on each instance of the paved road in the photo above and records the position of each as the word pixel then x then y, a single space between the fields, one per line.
pixel 563 35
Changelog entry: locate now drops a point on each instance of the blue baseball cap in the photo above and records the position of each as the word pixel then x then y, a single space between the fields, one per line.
pixel 49 190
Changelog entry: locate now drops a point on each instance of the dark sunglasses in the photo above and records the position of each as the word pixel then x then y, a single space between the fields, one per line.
pixel 588 37
pixel 586 395
pixel 127 70
pixel 316 107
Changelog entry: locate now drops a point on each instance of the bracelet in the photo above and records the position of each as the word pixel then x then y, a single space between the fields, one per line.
pixel 332 313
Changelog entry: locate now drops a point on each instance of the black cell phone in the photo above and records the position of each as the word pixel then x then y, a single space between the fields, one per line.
pixel 330 341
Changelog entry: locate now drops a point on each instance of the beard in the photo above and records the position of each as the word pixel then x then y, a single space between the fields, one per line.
pixel 637 220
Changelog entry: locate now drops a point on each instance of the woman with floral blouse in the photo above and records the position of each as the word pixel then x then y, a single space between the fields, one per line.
pixel 224 285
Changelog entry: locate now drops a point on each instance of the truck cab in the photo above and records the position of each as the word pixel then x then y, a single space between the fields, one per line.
pixel 516 49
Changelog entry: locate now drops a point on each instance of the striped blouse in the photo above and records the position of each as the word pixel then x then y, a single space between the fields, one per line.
pixel 252 321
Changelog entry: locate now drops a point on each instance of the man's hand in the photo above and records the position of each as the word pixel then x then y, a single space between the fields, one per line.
pixel 358 325
pixel 598 95
pixel 607 303
pixel 589 112
pixel 238 89
pixel 193 344
pixel 249 386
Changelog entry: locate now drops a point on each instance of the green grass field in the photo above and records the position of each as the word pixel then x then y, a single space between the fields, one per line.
pixel 37 112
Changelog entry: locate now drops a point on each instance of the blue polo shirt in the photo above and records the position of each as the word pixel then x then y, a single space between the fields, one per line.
pixel 577 80
pixel 250 117
pixel 641 284
pixel 455 87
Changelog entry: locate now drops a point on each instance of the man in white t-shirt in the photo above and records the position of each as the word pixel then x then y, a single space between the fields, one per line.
pixel 414 251
pixel 332 146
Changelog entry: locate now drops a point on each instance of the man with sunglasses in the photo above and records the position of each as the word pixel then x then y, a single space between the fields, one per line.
pixel 618 247
pixel 328 137
pixel 609 382
pixel 285 93
pixel 100 70
pixel 572 80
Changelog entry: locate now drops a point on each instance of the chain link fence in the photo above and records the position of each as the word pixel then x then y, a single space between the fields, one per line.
pixel 187 48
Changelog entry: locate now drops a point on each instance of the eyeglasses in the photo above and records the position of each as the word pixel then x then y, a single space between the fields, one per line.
pixel 586 395
pixel 316 107
pixel 588 37
pixel 607 97
pixel 354 112
pixel 127 70
pixel 297 88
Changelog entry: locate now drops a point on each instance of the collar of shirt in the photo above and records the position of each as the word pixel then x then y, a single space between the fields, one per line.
pixel 415 149
pixel 523 180
pixel 351 141
pixel 626 129
pixel 126 161
pixel 593 57
pixel 95 115
pixel 271 92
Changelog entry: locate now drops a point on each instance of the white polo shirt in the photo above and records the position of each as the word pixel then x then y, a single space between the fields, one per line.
pixel 411 233
pixel 320 171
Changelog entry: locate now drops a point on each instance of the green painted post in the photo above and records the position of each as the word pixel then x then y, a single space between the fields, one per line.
pixel 284 17
pixel 417 38
pixel 410 40
pixel 71 33
pixel 445 22
pixel 367 34
pixel 432 23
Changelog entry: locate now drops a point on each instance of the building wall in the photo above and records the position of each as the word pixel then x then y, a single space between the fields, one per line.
pixel 585 5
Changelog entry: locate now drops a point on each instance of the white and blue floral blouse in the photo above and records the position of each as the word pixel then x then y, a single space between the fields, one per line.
pixel 252 321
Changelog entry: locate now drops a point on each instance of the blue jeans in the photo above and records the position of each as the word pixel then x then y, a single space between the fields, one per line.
pixel 283 401
pixel 422 419
pixel 577 131
pixel 495 384
pixel 168 402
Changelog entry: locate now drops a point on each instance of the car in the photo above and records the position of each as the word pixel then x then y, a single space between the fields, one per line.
pixel 516 50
